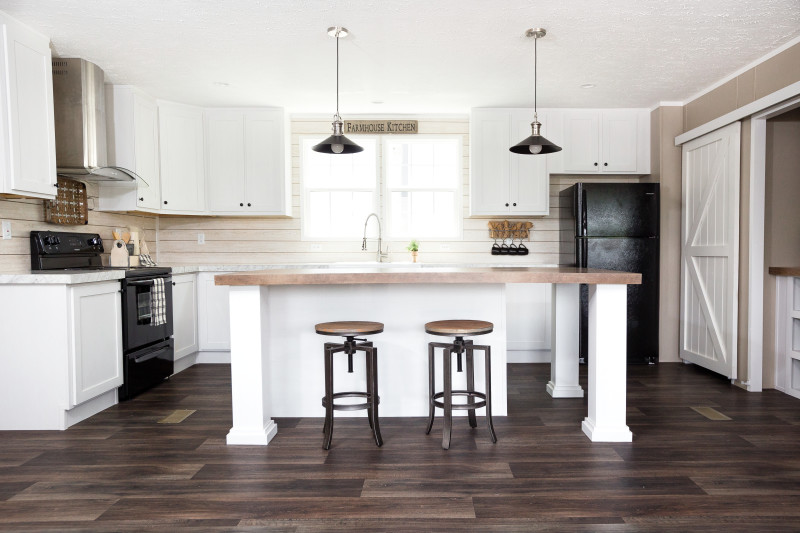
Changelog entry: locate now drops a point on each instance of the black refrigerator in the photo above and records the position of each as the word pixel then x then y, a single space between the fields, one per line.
pixel 615 226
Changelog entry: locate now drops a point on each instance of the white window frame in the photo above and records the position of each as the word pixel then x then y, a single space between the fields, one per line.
pixel 458 191
pixel 304 197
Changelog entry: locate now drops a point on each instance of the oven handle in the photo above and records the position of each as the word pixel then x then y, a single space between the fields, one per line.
pixel 141 283
pixel 149 355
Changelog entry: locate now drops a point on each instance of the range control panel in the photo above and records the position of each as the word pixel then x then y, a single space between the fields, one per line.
pixel 64 243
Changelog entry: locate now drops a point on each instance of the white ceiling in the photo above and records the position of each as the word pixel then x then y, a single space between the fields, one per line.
pixel 414 56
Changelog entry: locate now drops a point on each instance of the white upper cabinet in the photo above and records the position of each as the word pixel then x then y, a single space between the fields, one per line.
pixel 612 141
pixel 501 182
pixel 246 162
pixel 27 131
pixel 132 127
pixel 182 168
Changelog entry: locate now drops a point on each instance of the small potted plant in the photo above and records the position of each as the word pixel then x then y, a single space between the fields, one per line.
pixel 413 247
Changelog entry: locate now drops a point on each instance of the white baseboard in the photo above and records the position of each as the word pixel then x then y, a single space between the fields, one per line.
pixel 213 358
pixel 528 356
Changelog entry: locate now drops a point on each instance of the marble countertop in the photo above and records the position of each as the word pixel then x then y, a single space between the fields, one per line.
pixel 439 274
pixel 69 278
pixel 59 277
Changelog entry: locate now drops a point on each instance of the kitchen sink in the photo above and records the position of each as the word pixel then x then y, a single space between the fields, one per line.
pixel 374 264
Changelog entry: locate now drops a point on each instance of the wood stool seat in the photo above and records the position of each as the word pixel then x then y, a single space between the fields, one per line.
pixel 351 328
pixel 459 328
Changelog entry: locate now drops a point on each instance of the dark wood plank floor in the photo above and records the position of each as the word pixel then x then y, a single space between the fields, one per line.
pixel 123 471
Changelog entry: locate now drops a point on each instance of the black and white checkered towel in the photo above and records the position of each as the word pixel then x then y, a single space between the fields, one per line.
pixel 158 303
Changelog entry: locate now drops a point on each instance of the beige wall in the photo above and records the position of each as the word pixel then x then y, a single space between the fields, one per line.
pixel 765 78
pixel 665 123
pixel 27 214
pixel 236 240
pixel 781 218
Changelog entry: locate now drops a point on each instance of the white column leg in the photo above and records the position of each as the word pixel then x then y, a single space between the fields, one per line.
pixel 250 376
pixel 608 314
pixel 564 342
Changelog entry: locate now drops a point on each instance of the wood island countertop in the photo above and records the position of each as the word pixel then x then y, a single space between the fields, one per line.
pixel 784 271
pixel 378 275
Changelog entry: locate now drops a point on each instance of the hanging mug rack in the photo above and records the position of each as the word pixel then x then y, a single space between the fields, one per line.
pixel 504 230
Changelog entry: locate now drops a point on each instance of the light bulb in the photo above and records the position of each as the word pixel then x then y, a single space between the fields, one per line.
pixel 535 148
pixel 339 148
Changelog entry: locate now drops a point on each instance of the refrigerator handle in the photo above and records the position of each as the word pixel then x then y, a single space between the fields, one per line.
pixel 583 231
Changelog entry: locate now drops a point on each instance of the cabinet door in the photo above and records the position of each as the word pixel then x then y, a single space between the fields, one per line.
pixel 266 183
pixel 581 141
pixel 225 155
pixel 29 147
pixel 489 161
pixel 180 130
pixel 184 314
pixel 145 134
pixel 213 313
pixel 96 348
pixel 619 141
pixel 529 181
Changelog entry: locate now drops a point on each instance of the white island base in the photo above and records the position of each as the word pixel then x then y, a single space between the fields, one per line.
pixel 277 358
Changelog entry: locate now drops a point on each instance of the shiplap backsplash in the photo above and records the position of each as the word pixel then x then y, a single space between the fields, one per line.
pixel 240 240
pixel 243 240
pixel 27 214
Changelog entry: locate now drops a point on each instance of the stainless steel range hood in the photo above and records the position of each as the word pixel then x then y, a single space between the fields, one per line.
pixel 80 119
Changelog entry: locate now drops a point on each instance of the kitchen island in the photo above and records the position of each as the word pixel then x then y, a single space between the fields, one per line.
pixel 276 358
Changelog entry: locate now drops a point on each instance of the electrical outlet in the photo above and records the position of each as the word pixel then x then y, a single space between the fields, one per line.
pixel 6 229
pixel 201 238
pixel 316 247
pixel 444 247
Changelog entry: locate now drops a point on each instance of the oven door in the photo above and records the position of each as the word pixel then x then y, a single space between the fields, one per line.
pixel 146 368
pixel 137 319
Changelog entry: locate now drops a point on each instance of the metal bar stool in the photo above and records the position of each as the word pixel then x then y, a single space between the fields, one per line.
pixel 350 330
pixel 459 329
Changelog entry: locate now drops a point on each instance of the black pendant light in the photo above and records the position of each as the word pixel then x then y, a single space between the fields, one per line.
pixel 337 143
pixel 535 144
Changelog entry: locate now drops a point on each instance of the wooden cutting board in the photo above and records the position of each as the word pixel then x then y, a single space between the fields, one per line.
pixel 119 254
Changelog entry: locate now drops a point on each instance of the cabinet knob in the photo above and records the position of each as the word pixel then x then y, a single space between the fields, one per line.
pixel 165 202
pixel 173 283
pixel 241 204
pixel 506 204
pixel 141 198
pixel 605 164
pixel 595 164
pixel 248 204
pixel 55 185
pixel 514 204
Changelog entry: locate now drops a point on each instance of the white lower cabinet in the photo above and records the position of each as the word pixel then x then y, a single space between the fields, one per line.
pixel 528 326
pixel 184 314
pixel 95 353
pixel 213 314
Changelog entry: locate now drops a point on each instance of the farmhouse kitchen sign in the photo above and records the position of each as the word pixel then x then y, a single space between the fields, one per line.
pixel 380 126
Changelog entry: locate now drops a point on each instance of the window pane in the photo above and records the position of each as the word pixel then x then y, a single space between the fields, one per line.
pixel 339 171
pixel 421 164
pixel 421 213
pixel 337 214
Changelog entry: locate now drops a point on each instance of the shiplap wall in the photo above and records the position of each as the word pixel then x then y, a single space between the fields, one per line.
pixel 242 240
pixel 27 214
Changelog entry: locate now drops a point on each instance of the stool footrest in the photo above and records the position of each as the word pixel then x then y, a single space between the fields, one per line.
pixel 352 406
pixel 460 406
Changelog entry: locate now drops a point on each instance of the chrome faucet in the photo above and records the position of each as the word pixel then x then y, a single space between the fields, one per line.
pixel 380 256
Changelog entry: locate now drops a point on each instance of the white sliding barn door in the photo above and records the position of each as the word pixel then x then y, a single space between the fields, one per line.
pixel 710 250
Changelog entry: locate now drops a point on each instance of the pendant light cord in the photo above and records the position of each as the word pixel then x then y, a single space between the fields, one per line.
pixel 535 64
pixel 337 73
